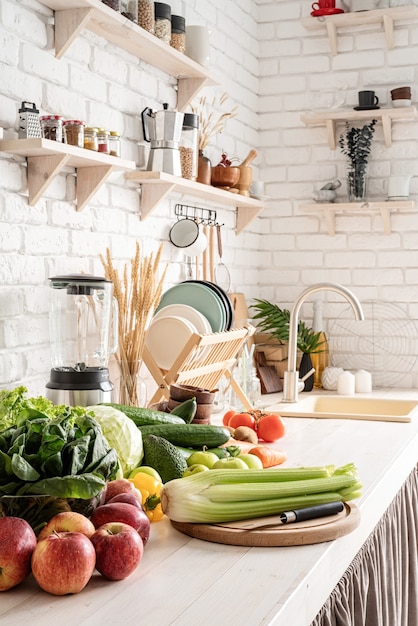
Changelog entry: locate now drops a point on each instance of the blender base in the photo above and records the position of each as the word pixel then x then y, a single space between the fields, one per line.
pixel 73 388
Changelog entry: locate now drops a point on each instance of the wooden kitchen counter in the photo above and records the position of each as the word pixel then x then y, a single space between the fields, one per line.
pixel 183 581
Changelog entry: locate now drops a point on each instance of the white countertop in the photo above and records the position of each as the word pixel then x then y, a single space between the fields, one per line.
pixel 183 581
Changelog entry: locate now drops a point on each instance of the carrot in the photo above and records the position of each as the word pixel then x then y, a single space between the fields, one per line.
pixel 269 456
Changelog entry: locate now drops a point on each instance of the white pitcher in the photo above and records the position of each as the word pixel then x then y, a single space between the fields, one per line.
pixel 397 186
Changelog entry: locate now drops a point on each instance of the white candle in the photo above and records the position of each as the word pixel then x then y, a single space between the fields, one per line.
pixel 363 381
pixel 346 384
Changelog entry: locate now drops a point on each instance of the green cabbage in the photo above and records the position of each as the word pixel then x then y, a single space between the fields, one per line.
pixel 121 434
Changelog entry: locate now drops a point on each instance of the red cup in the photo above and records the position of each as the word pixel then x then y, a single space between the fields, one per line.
pixel 323 4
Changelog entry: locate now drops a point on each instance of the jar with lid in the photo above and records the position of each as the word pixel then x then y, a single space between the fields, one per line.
pixel 114 143
pixel 90 138
pixel 74 132
pixel 129 9
pixel 162 14
pixel 178 33
pixel 51 127
pixel 113 4
pixel 103 140
pixel 189 149
pixel 146 17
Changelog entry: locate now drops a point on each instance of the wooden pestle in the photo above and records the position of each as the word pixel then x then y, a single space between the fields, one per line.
pixel 246 174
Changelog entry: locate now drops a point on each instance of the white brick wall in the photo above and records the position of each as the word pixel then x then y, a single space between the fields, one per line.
pixel 272 69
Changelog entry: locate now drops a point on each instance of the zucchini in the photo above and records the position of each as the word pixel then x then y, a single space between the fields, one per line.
pixel 186 410
pixel 189 435
pixel 142 416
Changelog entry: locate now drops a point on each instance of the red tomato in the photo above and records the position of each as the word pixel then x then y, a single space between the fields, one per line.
pixel 242 419
pixel 270 427
pixel 227 417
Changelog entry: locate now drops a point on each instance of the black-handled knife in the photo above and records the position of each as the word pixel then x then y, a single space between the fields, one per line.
pixel 311 512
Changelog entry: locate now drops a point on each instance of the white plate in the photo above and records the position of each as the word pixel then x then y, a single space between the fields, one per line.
pixel 187 312
pixel 166 338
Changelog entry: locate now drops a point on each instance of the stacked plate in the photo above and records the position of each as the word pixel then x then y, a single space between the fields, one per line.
pixel 192 307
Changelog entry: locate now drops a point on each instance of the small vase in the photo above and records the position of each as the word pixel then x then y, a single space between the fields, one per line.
pixel 304 367
pixel 204 169
pixel 357 182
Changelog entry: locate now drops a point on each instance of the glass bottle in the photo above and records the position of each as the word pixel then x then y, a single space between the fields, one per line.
pixel 51 127
pixel 103 140
pixel 178 33
pixel 319 359
pixel 114 143
pixel 74 132
pixel 90 138
pixel 146 17
pixel 204 169
pixel 189 146
pixel 129 9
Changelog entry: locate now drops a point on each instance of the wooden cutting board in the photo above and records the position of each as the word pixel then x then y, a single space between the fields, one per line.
pixel 294 534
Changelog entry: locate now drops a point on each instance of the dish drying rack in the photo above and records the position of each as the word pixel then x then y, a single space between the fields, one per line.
pixel 202 363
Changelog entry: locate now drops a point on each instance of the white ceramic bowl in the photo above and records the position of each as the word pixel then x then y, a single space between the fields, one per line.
pixel 401 103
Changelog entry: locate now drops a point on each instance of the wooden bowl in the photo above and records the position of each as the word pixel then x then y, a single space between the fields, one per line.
pixel 224 176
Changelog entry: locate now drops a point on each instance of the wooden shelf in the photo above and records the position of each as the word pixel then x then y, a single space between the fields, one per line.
pixel 385 208
pixel 330 119
pixel 72 16
pixel 46 159
pixel 155 186
pixel 385 17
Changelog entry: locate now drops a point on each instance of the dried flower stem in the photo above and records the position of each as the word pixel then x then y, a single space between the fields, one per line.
pixel 209 125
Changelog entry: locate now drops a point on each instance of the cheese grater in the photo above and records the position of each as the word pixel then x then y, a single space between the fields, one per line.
pixel 29 125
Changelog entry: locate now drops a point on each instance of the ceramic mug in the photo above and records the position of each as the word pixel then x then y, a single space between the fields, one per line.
pixel 367 99
pixel 397 186
pixel 197 44
pixel 323 4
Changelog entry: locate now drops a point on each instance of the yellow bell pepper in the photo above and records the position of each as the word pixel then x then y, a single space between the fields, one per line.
pixel 150 489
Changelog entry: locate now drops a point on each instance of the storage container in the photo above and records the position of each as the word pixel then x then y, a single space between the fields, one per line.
pixel 129 9
pixel 189 151
pixel 162 13
pixel 51 127
pixel 178 33
pixel 90 138
pixel 103 140
pixel 146 15
pixel 114 143
pixel 74 132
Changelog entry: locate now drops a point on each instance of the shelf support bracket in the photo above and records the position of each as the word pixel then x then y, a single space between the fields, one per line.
pixel 329 215
pixel 388 26
pixel 68 24
pixel 385 213
pixel 332 36
pixel 187 89
pixel 41 171
pixel 152 195
pixel 331 126
pixel 387 130
pixel 89 180
pixel 245 215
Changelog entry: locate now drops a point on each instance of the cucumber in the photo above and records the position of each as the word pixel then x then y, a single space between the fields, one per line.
pixel 143 416
pixel 189 435
pixel 186 410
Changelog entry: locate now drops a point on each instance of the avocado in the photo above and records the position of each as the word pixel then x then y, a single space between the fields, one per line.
pixel 164 457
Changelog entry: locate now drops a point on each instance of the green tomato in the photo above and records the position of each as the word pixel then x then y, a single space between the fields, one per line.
pixel 202 458
pixel 146 469
pixel 251 460
pixel 195 469
pixel 232 462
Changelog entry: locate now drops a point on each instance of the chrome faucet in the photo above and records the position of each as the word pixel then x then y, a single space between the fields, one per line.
pixel 291 375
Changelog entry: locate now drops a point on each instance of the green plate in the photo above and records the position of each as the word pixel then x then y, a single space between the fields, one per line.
pixel 200 297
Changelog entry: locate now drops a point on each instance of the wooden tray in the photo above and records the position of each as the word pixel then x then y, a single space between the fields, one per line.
pixel 294 534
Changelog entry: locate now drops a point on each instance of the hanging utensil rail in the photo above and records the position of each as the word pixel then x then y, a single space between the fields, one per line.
pixel 200 214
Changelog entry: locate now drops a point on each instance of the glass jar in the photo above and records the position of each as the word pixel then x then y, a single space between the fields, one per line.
pixel 162 13
pixel 114 143
pixel 113 4
pixel 103 140
pixel 189 151
pixel 74 133
pixel 178 33
pixel 51 127
pixel 146 15
pixel 90 139
pixel 129 9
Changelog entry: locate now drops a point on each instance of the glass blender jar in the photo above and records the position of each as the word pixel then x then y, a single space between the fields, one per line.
pixel 83 319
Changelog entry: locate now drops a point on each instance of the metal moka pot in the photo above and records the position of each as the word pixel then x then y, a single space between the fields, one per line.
pixel 163 130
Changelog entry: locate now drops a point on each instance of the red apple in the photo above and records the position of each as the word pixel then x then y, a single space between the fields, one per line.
pixel 68 521
pixel 123 512
pixel 17 543
pixel 115 487
pixel 119 550
pixel 63 563
pixel 128 498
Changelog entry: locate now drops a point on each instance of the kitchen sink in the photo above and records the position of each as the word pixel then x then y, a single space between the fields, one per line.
pixel 350 407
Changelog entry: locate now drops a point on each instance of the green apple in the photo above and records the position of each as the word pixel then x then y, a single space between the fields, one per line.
pixel 251 460
pixel 195 469
pixel 202 458
pixel 146 469
pixel 233 462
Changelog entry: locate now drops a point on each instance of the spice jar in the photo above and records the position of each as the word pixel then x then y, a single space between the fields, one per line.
pixel 90 139
pixel 129 9
pixel 189 150
pixel 74 133
pixel 114 143
pixel 178 33
pixel 162 13
pixel 103 140
pixel 146 15
pixel 113 4
pixel 51 127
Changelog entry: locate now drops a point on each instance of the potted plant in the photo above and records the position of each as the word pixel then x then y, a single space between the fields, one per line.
pixel 356 145
pixel 275 321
